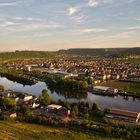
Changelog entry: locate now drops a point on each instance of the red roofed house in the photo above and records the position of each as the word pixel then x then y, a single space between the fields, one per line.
pixel 124 115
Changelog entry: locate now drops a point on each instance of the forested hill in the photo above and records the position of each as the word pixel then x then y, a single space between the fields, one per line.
pixel 24 55
pixel 76 51
pixel 102 51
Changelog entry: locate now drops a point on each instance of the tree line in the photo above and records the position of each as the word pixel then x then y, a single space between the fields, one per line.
pixel 16 77
pixel 66 84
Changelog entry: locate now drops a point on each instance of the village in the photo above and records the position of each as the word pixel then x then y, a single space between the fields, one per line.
pixel 99 69
pixel 105 74
pixel 69 69
pixel 42 106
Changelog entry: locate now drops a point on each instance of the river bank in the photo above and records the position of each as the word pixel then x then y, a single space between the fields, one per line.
pixel 120 102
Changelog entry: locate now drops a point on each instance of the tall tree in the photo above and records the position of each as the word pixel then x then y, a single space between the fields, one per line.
pixel 45 99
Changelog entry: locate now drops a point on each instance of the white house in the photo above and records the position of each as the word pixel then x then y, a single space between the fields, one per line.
pixel 103 89
pixel 100 76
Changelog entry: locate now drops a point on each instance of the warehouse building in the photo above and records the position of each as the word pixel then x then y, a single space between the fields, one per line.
pixel 125 115
pixel 104 89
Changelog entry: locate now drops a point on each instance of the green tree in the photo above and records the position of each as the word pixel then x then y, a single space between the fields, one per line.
pixel 74 110
pixel 1 88
pixel 45 98
pixel 95 107
pixel 7 104
pixel 60 102
pixel 96 111
pixel 67 104
pixel 25 110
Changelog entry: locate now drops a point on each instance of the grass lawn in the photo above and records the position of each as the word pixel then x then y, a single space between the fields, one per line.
pixel 133 88
pixel 115 84
pixel 124 86
pixel 25 131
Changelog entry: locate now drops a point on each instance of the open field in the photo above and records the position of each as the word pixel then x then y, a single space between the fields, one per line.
pixel 129 87
pixel 115 84
pixel 24 131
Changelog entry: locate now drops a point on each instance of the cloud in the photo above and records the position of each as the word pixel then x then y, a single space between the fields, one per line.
pixel 16 3
pixel 7 4
pixel 34 35
pixel 95 30
pixel 78 19
pixel 102 41
pixel 93 3
pixel 137 19
pixel 131 1
pixel 41 35
pixel 134 28
pixel 27 18
pixel 73 10
pixel 122 35
pixel 4 23
pixel 34 26
pixel 88 30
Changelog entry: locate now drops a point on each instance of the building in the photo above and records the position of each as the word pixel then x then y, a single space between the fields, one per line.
pixel 53 106
pixel 24 97
pixel 63 74
pixel 63 111
pixel 124 115
pixel 59 73
pixel 103 89
pixel 115 76
pixel 100 76
pixel 9 114
pixel 60 111
pixel 32 103
pixel 96 81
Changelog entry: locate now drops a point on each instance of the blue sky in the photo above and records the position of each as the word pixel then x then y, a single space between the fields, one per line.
pixel 61 24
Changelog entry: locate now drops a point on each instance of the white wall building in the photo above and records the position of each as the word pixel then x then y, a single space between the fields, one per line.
pixel 104 89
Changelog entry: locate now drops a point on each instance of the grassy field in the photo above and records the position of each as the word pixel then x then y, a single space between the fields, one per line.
pixel 115 84
pixel 24 131
pixel 134 88
pixel 124 86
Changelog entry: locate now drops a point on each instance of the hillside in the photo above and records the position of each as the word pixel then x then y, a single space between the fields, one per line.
pixel 101 51
pixel 24 55
pixel 24 131
pixel 75 51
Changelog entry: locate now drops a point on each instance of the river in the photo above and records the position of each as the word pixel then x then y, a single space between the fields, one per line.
pixel 132 104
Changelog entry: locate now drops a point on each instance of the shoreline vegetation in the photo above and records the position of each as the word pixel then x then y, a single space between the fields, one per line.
pixel 78 85
pixel 16 77
pixel 81 85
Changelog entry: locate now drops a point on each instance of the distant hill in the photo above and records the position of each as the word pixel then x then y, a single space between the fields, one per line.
pixel 101 51
pixel 24 55
pixel 76 51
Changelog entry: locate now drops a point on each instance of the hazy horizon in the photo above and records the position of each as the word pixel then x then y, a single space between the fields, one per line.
pixel 51 25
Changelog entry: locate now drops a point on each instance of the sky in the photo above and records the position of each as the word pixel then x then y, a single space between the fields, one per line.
pixel 51 25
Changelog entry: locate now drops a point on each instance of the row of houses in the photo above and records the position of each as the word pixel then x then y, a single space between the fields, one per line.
pixel 98 68
pixel 60 112
pixel 52 110
pixel 33 103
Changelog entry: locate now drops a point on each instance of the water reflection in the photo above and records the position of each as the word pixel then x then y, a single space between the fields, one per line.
pixel 68 94
pixel 128 103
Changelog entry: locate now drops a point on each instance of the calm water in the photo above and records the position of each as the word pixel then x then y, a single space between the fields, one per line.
pixel 131 103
